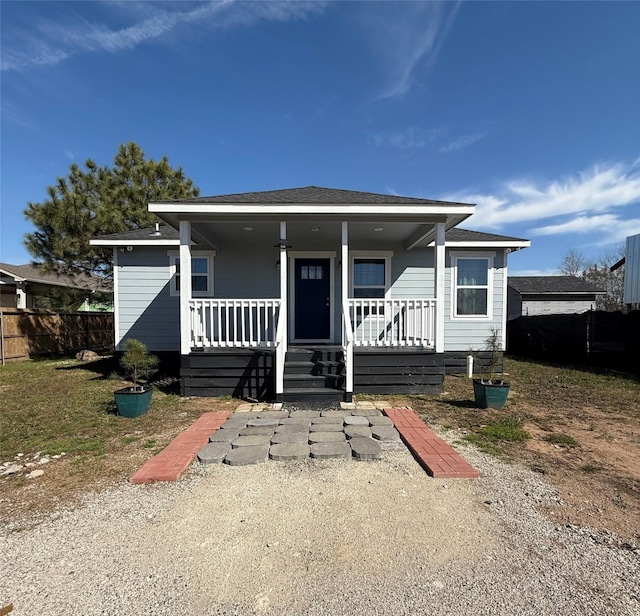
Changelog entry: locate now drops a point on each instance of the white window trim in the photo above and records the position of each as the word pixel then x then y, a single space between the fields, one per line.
pixel 209 254
pixel 490 256
pixel 371 254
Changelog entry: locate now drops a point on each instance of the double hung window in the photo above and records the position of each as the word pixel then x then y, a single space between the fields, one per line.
pixel 472 286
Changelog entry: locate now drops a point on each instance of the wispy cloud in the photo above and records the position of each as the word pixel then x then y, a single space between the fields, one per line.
pixel 50 43
pixel 410 138
pixel 590 202
pixel 462 142
pixel 409 37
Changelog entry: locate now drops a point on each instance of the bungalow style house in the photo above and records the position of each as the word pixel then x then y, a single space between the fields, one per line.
pixel 310 293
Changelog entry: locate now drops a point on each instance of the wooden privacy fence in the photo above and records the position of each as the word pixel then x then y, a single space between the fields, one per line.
pixel 27 333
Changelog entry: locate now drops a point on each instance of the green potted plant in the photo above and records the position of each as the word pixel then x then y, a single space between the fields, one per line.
pixel 134 401
pixel 492 392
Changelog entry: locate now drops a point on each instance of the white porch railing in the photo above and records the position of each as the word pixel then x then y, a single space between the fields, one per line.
pixel 393 322
pixel 347 347
pixel 233 322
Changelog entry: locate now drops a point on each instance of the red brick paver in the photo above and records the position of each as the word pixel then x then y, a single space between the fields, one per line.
pixel 174 459
pixel 438 458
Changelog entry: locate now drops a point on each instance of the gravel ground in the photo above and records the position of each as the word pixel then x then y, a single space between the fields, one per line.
pixel 319 537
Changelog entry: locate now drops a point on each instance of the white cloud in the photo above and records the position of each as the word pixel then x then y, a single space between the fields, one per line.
pixel 408 37
pixel 532 272
pixel 592 201
pixel 50 42
pixel 463 142
pixel 410 138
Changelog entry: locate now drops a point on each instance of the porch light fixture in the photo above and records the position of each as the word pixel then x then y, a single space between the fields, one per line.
pixel 282 244
pixel 315 228
pixel 248 228
pixel 379 229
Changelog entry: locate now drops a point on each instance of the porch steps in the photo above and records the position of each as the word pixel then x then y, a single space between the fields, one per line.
pixel 314 374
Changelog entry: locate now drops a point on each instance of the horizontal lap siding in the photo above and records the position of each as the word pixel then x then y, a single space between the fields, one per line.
pixel 464 335
pixel 412 273
pixel 147 311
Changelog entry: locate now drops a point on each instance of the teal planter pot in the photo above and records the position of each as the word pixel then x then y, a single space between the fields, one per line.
pixel 133 401
pixel 490 396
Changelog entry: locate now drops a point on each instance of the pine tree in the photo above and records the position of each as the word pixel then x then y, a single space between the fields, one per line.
pixel 96 201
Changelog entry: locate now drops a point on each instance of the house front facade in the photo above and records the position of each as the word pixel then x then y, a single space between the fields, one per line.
pixel 310 292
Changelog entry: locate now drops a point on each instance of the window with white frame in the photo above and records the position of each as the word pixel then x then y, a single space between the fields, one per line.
pixel 370 274
pixel 201 273
pixel 472 285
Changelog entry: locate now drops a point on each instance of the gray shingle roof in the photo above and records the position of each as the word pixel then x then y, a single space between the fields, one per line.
pixel 552 284
pixel 466 235
pixel 149 233
pixel 313 195
pixel 33 273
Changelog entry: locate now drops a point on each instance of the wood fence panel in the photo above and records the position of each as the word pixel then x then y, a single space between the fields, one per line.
pixel 28 334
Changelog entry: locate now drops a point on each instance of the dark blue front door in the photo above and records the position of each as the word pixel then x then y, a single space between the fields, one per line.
pixel 313 299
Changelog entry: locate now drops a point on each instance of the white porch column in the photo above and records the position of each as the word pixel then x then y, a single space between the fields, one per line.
pixel 185 287
pixel 284 269
pixel 281 327
pixel 347 344
pixel 439 286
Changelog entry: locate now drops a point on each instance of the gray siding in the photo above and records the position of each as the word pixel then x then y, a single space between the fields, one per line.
pixel 146 309
pixel 466 334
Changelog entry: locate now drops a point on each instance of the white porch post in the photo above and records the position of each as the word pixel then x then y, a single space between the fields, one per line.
pixel 348 344
pixel 185 287
pixel 284 264
pixel 281 327
pixel 439 286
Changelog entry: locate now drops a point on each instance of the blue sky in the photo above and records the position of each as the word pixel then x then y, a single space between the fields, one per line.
pixel 530 110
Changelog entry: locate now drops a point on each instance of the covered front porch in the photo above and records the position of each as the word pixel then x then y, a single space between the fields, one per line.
pixel 353 295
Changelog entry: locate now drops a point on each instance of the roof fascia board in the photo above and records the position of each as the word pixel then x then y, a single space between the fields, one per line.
pixel 313 209
pixel 10 274
pixel 107 242
pixel 489 244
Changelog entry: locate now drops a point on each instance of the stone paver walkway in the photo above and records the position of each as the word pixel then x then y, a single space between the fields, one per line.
pixel 255 433
pixel 438 458
pixel 174 459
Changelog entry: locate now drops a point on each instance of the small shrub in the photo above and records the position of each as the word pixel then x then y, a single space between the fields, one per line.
pixel 539 468
pixel 137 361
pixel 589 468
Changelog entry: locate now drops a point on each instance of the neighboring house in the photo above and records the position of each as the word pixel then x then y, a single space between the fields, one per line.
pixel 310 292
pixel 631 261
pixel 27 286
pixel 534 295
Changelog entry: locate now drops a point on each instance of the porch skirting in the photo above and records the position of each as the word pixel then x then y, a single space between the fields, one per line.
pixel 397 371
pixel 241 373
pixel 250 373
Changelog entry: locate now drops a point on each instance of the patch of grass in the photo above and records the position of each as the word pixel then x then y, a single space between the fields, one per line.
pixel 149 444
pixel 561 439
pixel 127 440
pixel 508 429
pixel 490 437
pixel 536 467
pixel 590 468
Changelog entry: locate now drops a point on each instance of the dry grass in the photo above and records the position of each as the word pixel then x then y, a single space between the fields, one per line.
pixel 63 405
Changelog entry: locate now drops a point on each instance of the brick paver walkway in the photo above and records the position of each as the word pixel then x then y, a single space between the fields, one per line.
pixel 173 460
pixel 438 458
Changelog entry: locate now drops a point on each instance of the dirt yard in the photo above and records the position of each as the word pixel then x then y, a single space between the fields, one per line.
pixel 584 433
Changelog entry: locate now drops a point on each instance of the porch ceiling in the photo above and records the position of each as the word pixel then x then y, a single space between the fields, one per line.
pixel 314 234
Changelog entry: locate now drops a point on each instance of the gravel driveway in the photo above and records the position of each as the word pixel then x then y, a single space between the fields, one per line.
pixel 319 537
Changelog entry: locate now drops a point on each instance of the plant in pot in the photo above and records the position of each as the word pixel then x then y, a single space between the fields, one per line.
pixel 134 401
pixel 492 392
